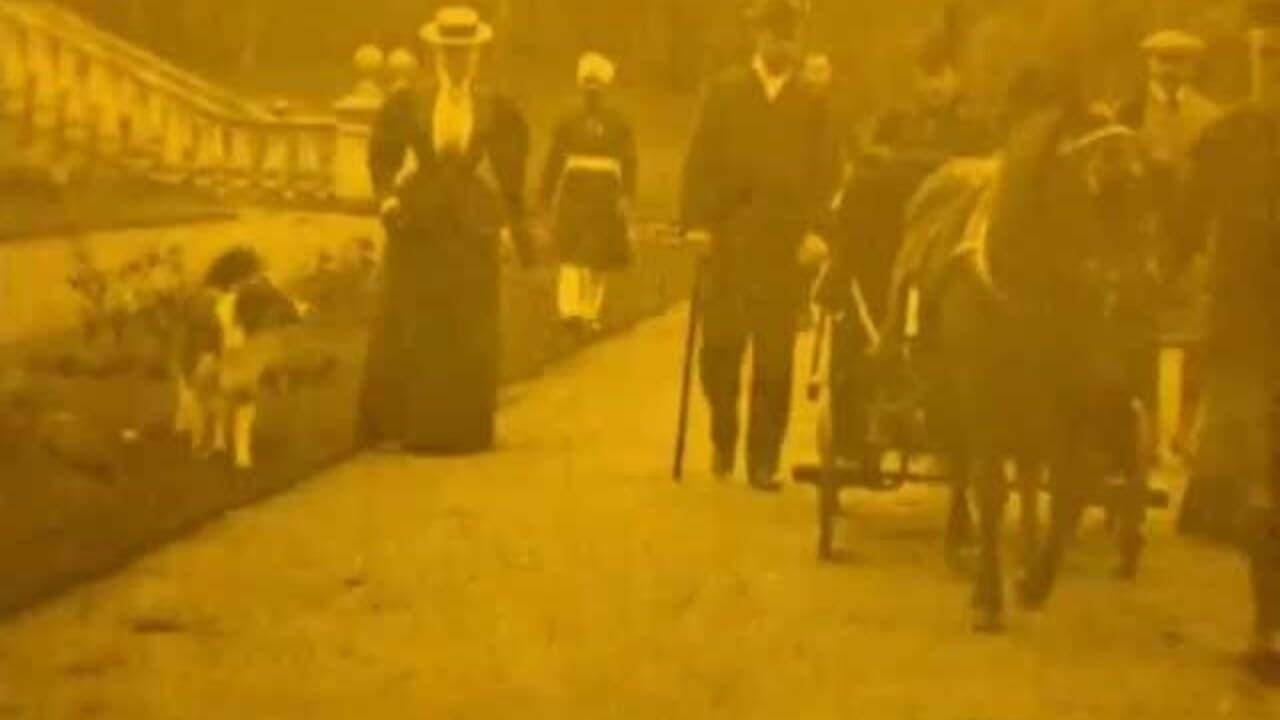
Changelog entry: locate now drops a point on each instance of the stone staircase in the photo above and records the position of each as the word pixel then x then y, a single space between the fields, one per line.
pixel 79 102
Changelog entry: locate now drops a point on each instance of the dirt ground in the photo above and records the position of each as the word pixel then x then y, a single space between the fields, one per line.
pixel 567 576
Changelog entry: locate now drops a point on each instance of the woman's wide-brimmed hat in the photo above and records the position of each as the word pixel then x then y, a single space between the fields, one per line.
pixel 457 26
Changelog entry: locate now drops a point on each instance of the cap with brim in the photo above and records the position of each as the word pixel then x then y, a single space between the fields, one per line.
pixel 457 26
pixel 1173 42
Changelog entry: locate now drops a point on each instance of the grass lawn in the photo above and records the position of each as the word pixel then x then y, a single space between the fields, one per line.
pixel 83 499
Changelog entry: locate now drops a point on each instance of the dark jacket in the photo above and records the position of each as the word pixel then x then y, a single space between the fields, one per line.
pixel 500 141
pixel 604 132
pixel 1233 208
pixel 759 175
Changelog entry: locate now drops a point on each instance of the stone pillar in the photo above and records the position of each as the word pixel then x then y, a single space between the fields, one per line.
pixel 355 113
pixel 402 67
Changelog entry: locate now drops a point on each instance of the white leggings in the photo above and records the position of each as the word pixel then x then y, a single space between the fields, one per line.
pixel 581 293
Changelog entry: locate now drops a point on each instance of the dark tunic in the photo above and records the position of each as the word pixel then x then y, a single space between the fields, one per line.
pixel 590 226
pixel 433 366
pixel 1235 207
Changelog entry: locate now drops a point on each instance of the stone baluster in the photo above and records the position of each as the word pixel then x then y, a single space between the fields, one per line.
pixel 271 159
pixel 42 98
pixel 179 132
pixel 308 139
pixel 355 113
pixel 209 160
pixel 133 123
pixel 242 163
pixel 74 121
pixel 325 148
pixel 106 110
pixel 157 131
pixel 13 70
pixel 275 168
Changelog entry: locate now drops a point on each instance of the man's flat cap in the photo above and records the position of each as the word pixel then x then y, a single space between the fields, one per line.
pixel 1173 42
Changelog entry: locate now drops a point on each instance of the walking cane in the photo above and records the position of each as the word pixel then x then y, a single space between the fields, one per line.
pixel 817 360
pixel 686 378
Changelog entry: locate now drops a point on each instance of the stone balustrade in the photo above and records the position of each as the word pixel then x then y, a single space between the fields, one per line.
pixel 83 102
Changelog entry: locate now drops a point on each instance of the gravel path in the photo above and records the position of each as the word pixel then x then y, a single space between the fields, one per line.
pixel 566 576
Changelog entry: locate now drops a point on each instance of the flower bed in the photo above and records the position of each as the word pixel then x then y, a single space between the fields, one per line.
pixel 92 474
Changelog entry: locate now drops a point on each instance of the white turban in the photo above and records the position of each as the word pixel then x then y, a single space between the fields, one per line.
pixel 595 69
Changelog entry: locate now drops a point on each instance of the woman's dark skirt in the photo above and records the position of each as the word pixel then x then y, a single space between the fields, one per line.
pixel 431 377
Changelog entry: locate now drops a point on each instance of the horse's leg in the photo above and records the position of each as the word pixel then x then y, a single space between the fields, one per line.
pixel 959 534
pixel 1132 500
pixel 1067 482
pixel 1027 476
pixel 991 489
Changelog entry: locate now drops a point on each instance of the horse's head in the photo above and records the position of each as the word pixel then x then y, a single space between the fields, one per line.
pixel 1074 197
pixel 1107 155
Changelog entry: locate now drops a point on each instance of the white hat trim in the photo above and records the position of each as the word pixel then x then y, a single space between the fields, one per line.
pixel 457 26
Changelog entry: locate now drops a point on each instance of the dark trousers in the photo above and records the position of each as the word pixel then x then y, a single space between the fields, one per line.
pixel 759 314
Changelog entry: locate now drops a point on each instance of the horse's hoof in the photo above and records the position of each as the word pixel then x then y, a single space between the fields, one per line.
pixel 987 621
pixel 1126 570
pixel 1032 593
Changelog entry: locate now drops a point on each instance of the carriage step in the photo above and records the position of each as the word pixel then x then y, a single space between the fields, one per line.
pixel 852 477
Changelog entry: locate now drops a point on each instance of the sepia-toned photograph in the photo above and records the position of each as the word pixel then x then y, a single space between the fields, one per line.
pixel 654 359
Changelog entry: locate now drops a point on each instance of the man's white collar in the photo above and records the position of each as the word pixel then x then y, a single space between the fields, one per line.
pixel 1162 96
pixel 773 83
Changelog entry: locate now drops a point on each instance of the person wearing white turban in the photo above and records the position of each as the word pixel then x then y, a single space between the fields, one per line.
pixel 588 186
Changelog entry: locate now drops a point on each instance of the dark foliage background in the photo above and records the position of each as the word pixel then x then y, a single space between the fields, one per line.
pixel 303 46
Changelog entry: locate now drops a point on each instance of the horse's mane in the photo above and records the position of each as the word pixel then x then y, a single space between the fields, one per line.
pixel 1036 205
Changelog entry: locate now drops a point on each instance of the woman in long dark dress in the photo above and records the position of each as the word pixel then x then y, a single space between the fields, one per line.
pixel 432 372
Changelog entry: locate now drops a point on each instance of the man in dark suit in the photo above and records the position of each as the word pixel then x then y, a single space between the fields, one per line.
pixel 759 175
pixel 1235 197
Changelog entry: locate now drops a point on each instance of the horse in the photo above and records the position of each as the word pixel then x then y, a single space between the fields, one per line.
pixel 1021 356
